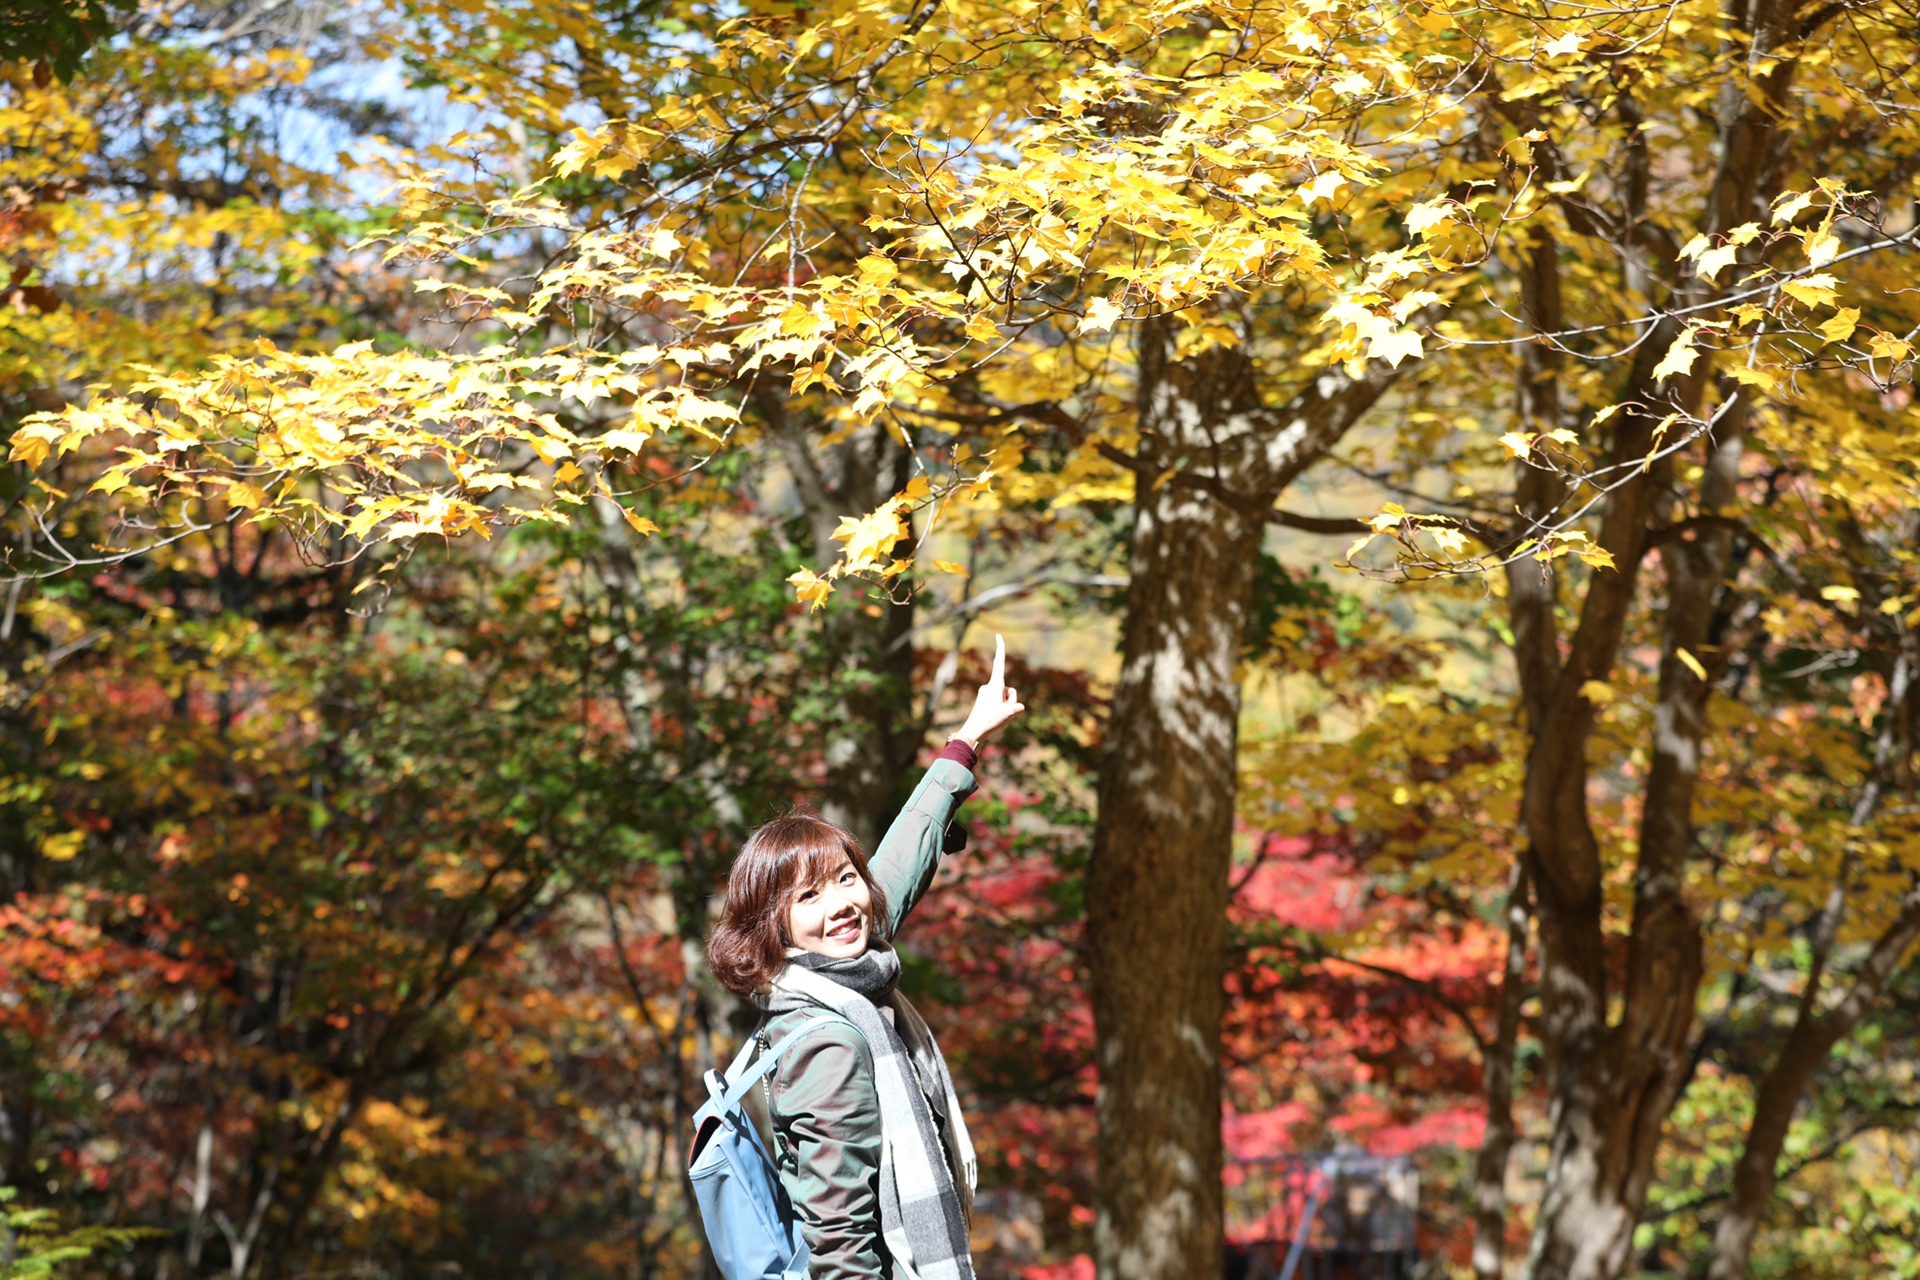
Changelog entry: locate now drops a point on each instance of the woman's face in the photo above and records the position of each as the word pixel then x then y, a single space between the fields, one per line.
pixel 833 917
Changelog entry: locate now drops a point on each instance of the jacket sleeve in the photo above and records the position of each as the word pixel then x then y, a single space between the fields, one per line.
pixel 827 1115
pixel 909 854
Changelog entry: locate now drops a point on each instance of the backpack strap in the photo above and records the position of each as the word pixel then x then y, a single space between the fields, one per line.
pixel 741 1077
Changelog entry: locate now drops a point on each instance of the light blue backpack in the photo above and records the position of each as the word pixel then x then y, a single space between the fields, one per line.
pixel 750 1222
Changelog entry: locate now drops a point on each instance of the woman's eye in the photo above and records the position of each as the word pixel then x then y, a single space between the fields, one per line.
pixel 809 895
pixel 848 878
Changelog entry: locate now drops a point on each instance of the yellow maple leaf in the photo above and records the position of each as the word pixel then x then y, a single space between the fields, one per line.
pixel 1679 358
pixel 244 495
pixel 810 588
pixel 1842 325
pixel 1813 290
pixel 1885 346
pixel 1788 204
pixel 625 439
pixel 1424 217
pixel 1322 187
pixel 1389 515
pixel 1394 347
pixel 34 441
pixel 870 537
pixel 1714 261
pixel 1517 443
pixel 1562 46
pixel 1754 377
pixel 1101 314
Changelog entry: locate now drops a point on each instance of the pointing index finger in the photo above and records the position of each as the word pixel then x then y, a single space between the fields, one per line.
pixel 999 660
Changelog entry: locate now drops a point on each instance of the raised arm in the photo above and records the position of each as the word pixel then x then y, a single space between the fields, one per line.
pixel 909 854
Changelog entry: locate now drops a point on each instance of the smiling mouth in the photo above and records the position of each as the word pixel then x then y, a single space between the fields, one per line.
pixel 846 932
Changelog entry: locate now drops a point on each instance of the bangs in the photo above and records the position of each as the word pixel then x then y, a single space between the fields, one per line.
pixel 816 861
pixel 812 852
pixel 799 852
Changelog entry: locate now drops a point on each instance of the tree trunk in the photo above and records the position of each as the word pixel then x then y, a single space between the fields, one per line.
pixel 874 729
pixel 1603 1122
pixel 1612 1085
pixel 1213 458
pixel 201 1193
pixel 1157 888
pixel 1490 1166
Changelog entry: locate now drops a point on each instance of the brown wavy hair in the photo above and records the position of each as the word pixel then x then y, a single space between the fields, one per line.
pixel 778 862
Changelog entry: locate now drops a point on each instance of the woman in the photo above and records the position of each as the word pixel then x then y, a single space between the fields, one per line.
pixel 869 1139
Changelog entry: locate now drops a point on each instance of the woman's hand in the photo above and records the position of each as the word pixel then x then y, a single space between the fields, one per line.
pixel 994 705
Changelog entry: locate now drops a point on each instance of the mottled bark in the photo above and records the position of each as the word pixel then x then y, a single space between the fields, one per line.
pixel 1212 460
pixel 1531 593
pixel 1496 1144
pixel 1157 893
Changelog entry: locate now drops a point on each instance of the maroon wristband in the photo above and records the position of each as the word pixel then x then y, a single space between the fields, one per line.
pixel 960 753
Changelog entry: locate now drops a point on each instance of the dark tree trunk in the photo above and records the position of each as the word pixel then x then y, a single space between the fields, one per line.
pixel 874 729
pixel 1496 1145
pixel 1598 1118
pixel 1532 599
pixel 1613 1083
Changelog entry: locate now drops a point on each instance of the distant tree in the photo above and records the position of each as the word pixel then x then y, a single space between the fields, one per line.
pixel 54 36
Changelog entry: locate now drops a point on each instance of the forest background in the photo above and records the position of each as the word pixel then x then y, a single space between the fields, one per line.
pixel 1446 473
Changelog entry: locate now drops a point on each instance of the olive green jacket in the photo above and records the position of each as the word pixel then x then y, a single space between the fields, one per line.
pixel 824 1109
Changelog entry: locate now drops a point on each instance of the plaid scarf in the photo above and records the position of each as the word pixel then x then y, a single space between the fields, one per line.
pixel 926 1162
